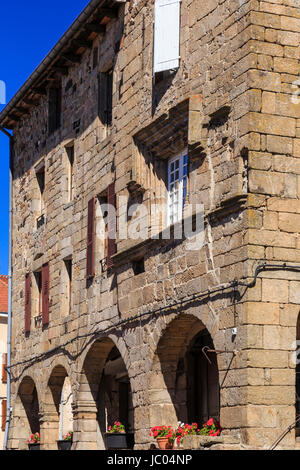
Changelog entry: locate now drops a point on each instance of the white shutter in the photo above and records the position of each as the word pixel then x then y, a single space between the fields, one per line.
pixel 166 35
pixel 2 92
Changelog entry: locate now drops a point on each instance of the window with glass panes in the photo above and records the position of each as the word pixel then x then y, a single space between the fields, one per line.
pixel 177 186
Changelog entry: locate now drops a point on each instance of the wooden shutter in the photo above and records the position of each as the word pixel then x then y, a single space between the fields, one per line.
pixel 166 35
pixel 3 414
pixel 111 225
pixel 4 371
pixel 45 293
pixel 2 92
pixel 27 303
pixel 90 257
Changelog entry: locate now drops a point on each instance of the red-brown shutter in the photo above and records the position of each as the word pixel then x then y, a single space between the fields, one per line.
pixel 90 256
pixel 4 371
pixel 111 222
pixel 45 294
pixel 3 414
pixel 27 303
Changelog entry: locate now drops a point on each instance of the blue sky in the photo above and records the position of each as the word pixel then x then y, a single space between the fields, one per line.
pixel 28 30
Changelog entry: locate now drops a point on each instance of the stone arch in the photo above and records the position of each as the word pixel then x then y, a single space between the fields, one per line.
pixel 203 317
pixel 57 412
pixel 26 414
pixel 171 376
pixel 104 394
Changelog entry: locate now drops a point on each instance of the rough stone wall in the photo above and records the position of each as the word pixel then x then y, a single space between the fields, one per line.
pixel 241 57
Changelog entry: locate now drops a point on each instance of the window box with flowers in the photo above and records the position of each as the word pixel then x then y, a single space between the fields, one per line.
pixel 34 442
pixel 118 438
pixel 66 442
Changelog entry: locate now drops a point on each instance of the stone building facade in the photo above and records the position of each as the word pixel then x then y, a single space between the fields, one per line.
pixel 122 325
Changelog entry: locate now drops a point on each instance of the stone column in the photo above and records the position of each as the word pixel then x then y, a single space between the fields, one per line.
pixel 85 426
pixel 49 426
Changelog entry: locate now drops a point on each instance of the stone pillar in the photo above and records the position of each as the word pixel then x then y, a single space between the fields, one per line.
pixel 85 426
pixel 49 426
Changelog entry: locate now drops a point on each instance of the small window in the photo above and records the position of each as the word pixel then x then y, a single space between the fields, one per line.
pixel 54 110
pixel 105 91
pixel 138 266
pixel 37 298
pixel 40 179
pixel 68 277
pixel 177 187
pixel 166 35
pixel 102 229
pixel 70 172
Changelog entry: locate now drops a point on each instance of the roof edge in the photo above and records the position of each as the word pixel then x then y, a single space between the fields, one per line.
pixel 62 42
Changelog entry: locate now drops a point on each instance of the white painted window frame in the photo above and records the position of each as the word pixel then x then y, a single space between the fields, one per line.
pixel 176 216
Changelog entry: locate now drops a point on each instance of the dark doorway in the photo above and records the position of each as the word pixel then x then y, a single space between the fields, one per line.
pixel 203 390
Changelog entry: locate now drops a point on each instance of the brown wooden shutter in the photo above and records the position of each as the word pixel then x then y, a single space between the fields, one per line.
pixel 111 241
pixel 27 303
pixel 4 371
pixel 3 414
pixel 45 294
pixel 90 256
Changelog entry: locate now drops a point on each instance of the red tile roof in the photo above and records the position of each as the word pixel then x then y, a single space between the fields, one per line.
pixel 3 293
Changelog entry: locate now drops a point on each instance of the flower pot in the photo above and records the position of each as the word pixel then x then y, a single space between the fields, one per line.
pixel 64 445
pixel 34 446
pixel 119 440
pixel 164 443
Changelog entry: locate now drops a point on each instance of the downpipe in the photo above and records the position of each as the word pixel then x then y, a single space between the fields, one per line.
pixel 9 313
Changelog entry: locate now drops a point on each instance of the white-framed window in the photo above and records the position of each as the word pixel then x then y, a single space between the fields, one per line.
pixel 177 186
pixel 166 54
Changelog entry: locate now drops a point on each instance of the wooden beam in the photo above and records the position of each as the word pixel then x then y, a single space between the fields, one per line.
pixel 40 91
pixel 61 69
pixel 81 43
pixel 14 117
pixel 29 102
pixel 96 28
pixel 108 12
pixel 75 59
pixel 22 110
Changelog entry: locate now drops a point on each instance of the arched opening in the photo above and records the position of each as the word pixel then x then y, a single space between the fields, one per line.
pixel 105 391
pixel 25 415
pixel 59 407
pixel 203 391
pixel 184 384
pixel 297 371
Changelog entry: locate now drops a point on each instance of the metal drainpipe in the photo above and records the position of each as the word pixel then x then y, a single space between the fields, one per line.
pixel 8 409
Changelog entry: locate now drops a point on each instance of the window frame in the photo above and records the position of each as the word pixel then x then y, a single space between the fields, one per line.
pixel 40 175
pixel 183 158
pixel 70 171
